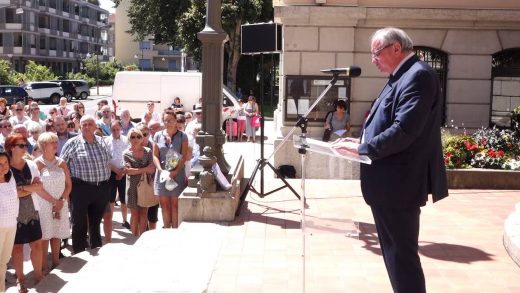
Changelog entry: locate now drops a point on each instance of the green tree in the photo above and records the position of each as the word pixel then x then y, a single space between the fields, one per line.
pixel 177 22
pixel 5 72
pixel 37 72
pixel 107 70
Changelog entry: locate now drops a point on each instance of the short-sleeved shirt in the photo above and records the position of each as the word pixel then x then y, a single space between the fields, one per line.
pixel 116 148
pixel 338 123
pixel 87 161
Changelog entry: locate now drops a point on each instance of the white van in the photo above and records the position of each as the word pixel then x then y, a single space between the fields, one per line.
pixel 133 89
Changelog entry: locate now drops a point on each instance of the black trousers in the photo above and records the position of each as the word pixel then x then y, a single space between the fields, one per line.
pixel 88 204
pixel 398 233
pixel 117 187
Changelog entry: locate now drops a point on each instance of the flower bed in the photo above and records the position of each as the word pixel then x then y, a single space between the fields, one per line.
pixel 486 159
pixel 486 148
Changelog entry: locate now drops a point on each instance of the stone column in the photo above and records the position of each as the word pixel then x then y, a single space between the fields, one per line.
pixel 213 38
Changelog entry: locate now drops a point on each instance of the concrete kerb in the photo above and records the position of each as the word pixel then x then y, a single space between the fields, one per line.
pixel 512 235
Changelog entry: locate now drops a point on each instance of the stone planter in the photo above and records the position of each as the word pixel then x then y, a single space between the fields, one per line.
pixel 483 179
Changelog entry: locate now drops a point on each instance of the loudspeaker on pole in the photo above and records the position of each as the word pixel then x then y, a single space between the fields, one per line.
pixel 259 38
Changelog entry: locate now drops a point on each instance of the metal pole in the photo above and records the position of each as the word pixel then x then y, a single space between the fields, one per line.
pixel 97 74
pixel 261 121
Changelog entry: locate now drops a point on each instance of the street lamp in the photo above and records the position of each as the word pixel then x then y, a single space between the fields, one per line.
pixel 97 71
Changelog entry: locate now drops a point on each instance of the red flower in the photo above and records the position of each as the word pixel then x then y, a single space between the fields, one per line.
pixel 500 153
pixel 492 153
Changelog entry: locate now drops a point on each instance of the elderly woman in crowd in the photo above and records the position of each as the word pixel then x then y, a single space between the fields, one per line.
pixel 167 141
pixel 28 228
pixel 9 206
pixel 53 198
pixel 138 161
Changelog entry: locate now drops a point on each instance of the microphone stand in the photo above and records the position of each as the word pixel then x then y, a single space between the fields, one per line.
pixel 302 150
pixel 302 124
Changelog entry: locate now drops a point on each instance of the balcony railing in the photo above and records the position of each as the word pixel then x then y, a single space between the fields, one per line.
pixel 169 52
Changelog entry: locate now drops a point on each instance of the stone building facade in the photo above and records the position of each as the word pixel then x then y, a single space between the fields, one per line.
pixel 55 33
pixel 463 40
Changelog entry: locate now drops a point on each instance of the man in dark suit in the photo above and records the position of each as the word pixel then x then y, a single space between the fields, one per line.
pixel 402 137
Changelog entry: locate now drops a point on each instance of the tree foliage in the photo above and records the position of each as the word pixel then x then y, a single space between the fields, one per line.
pixel 177 22
pixel 107 70
pixel 6 73
pixel 37 72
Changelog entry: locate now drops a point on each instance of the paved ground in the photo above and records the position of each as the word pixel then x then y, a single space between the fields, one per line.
pixel 261 251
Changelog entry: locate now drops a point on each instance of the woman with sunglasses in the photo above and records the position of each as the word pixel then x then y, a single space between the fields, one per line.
pixel 153 212
pixel 138 161
pixel 9 206
pixel 28 228
pixel 168 141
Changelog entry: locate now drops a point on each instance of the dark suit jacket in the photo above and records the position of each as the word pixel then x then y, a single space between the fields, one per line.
pixel 402 137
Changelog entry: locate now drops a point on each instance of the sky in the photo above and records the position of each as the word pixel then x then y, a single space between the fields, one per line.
pixel 108 5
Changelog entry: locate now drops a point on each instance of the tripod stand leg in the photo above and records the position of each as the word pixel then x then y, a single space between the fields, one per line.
pixel 286 184
pixel 249 186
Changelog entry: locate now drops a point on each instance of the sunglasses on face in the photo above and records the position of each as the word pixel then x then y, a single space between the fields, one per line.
pixel 21 145
pixel 145 134
pixel 135 136
pixel 6 126
pixel 19 110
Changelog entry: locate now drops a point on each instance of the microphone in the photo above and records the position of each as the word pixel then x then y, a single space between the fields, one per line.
pixel 351 71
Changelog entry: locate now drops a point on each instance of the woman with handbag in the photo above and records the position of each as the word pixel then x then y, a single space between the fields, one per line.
pixel 251 110
pixel 139 168
pixel 337 123
pixel 170 151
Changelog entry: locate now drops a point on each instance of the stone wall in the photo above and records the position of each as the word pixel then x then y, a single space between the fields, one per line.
pixel 338 35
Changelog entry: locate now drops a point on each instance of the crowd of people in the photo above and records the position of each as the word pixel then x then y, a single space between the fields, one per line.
pixel 61 174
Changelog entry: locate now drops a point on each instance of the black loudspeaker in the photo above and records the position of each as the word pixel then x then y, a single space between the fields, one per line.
pixel 261 38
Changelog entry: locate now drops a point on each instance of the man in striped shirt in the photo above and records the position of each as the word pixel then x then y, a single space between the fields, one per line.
pixel 87 157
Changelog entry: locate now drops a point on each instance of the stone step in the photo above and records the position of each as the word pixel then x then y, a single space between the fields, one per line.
pixel 163 260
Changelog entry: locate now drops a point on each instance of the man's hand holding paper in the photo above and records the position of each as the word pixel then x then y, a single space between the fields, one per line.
pixel 346 146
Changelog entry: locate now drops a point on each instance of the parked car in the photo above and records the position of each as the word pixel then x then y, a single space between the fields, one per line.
pixel 82 89
pixel 69 89
pixel 13 94
pixel 44 91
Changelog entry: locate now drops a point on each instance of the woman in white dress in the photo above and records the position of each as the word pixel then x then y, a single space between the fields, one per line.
pixel 53 200
pixel 9 206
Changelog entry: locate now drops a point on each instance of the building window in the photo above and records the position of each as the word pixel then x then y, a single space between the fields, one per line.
pixel 302 91
pixel 42 43
pixel 1 39
pixel 145 64
pixel 145 45
pixel 18 40
pixel 438 60
pixel 52 44
pixel 32 39
pixel 52 4
pixel 506 82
